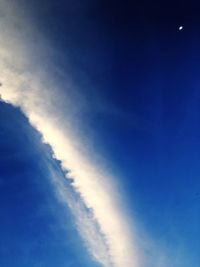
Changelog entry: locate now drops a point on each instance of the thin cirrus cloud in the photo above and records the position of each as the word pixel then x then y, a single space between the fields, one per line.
pixel 99 217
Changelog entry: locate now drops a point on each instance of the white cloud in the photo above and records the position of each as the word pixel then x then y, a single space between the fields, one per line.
pixel 99 215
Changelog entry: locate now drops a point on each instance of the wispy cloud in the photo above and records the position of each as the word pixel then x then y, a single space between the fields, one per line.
pixel 98 213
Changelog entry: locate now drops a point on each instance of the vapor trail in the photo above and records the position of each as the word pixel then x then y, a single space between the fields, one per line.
pixel 99 218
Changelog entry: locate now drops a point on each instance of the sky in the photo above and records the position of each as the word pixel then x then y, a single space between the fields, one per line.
pixel 99 127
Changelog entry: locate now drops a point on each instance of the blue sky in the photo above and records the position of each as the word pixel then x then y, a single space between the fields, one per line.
pixel 99 126
pixel 36 229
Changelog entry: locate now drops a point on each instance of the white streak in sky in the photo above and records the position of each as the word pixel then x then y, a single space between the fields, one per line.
pixel 99 218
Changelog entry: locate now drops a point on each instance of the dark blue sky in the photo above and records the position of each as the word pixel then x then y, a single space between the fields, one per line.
pixel 140 75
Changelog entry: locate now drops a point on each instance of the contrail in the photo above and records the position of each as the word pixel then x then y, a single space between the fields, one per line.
pixel 98 214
